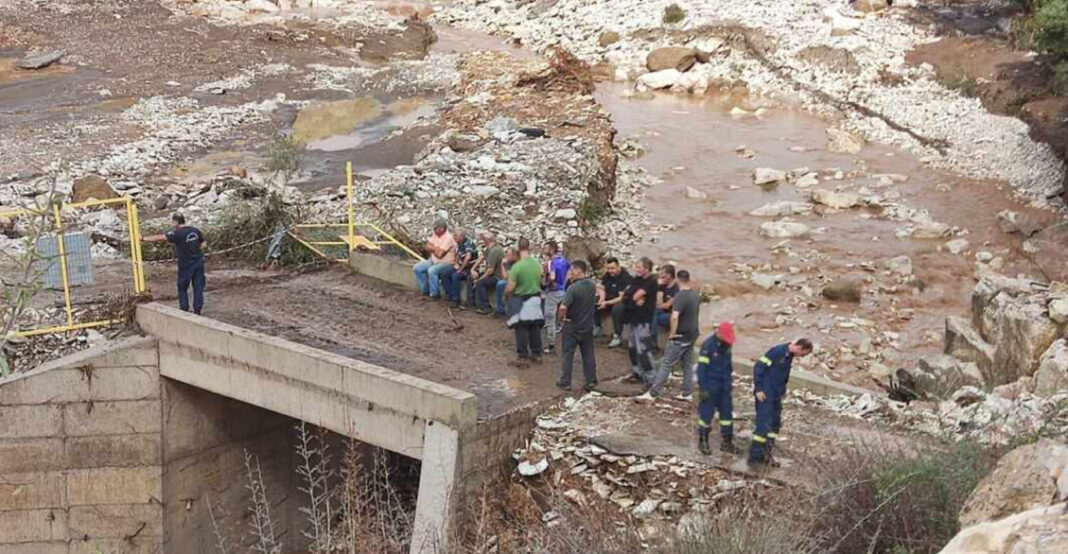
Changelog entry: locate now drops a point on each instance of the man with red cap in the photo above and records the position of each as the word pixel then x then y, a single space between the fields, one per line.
pixel 715 377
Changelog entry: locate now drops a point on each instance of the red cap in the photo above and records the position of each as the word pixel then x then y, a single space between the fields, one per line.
pixel 725 332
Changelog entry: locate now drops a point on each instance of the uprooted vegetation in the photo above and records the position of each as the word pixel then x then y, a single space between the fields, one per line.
pixel 565 73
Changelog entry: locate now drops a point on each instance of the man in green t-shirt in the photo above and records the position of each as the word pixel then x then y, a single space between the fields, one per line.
pixel 525 314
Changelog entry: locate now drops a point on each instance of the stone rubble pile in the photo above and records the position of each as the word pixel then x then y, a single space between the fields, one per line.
pixel 971 414
pixel 854 52
pixel 647 487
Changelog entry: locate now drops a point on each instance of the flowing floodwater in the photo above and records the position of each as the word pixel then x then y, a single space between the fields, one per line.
pixel 694 142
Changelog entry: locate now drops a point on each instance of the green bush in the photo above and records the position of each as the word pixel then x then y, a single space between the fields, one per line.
pixel 674 14
pixel 1050 22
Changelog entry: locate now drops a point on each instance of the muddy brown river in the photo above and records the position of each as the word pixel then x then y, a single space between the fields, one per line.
pixel 693 142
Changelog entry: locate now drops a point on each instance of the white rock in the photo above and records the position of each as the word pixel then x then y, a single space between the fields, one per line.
pixel 261 6
pixel 783 229
pixel 901 265
pixel 957 246
pixel 484 190
pixel 765 176
pixel 807 180
pixel 528 469
pixel 739 113
pixel 1052 375
pixel 833 199
pixel 660 79
pixel 782 208
pixel 646 508
pixel 840 24
pixel 565 214
pixel 695 194
pixel 1058 309
pixel 765 281
pixel 843 142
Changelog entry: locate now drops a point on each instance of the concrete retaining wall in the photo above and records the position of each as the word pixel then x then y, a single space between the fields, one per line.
pixel 80 454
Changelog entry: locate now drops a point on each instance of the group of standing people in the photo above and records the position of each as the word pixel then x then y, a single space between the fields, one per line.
pixel 562 297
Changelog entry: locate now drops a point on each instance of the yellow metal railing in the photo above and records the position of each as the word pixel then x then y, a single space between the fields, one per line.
pixel 133 223
pixel 350 238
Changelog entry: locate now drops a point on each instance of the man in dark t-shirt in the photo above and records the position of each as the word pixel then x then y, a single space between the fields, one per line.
pixel 639 304
pixel 616 280
pixel 578 310
pixel 683 332
pixel 189 244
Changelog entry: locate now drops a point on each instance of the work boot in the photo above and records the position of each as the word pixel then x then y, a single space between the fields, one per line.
pixel 591 386
pixel 702 441
pixel 727 445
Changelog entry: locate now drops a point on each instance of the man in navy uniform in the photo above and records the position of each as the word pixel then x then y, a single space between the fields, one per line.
pixel 770 375
pixel 715 379
pixel 189 244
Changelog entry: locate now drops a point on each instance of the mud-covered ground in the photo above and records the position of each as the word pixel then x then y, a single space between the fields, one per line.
pixel 393 327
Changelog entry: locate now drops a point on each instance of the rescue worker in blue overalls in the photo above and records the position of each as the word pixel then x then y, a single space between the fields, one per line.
pixel 770 375
pixel 189 244
pixel 715 377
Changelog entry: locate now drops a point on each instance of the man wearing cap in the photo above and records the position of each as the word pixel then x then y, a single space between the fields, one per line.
pixel 770 376
pixel 442 249
pixel 683 332
pixel 715 377
pixel 189 244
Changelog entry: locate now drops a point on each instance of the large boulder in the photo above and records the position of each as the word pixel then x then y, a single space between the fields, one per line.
pixel 941 374
pixel 92 186
pixel 1029 477
pixel 1024 332
pixel 964 343
pixel 1038 531
pixel 1052 375
pixel 843 290
pixel 679 58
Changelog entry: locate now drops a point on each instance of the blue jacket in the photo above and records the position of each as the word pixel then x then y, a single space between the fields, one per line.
pixel 772 372
pixel 714 362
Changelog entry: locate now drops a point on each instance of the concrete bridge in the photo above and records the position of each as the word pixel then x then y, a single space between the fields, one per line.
pixel 120 449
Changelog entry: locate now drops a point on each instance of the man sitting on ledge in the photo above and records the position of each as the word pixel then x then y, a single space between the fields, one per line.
pixel 442 249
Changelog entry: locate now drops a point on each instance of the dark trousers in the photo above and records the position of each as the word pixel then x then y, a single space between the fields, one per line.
pixel 616 311
pixel 194 276
pixel 528 340
pixel 768 423
pixel 483 288
pixel 715 397
pixel 583 342
pixel 456 280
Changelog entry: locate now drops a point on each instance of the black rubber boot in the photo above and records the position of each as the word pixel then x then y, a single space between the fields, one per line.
pixel 727 445
pixel 702 441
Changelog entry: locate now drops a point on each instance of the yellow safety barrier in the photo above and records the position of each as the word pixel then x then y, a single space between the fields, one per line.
pixel 352 240
pixel 138 281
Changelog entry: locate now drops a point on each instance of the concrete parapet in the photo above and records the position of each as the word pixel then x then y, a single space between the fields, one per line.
pixel 383 268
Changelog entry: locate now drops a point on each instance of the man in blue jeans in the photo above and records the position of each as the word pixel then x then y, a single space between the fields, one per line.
pixel 189 244
pixel 510 257
pixel 442 249
pixel 466 255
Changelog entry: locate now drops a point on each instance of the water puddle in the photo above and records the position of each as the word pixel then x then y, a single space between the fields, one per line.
pixel 694 142
pixel 353 124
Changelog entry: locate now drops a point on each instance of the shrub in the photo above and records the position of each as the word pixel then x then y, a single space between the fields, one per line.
pixel 284 153
pixel 674 14
pixel 591 211
pixel 889 502
pixel 1046 29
